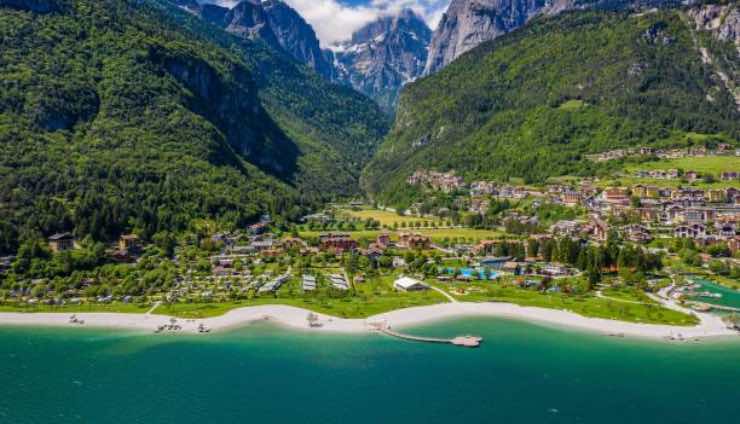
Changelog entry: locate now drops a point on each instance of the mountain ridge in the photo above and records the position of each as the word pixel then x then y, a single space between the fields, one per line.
pixel 384 55
pixel 498 112
pixel 137 116
pixel 468 23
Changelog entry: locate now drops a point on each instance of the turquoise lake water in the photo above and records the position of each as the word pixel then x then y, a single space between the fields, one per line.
pixel 730 297
pixel 262 374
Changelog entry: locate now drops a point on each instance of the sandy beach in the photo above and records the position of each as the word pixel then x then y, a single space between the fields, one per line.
pixel 710 325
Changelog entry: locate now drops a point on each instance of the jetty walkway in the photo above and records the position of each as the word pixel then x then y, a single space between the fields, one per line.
pixel 462 341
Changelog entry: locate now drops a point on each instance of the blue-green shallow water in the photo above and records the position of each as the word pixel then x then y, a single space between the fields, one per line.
pixel 522 374
pixel 730 297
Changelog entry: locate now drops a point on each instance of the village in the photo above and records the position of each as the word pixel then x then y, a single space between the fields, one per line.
pixel 572 243
pixel 545 246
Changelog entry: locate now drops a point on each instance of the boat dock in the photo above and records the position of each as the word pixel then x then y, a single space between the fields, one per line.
pixel 462 341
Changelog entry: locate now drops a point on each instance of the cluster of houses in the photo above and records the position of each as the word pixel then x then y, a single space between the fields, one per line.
pixel 339 243
pixel 448 182
pixel 440 181
pixel 706 216
pixel 126 248
pixel 722 149
pixel 690 176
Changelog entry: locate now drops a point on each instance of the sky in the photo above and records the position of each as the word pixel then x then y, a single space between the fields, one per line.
pixel 336 20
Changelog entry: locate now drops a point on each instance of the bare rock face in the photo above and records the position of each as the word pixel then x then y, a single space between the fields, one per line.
pixel 722 20
pixel 384 55
pixel 249 20
pixel 271 21
pixel 468 23
pixel 297 37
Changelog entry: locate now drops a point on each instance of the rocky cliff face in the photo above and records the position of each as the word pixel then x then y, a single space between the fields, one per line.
pixel 722 20
pixel 723 23
pixel 384 55
pixel 249 19
pixel 468 23
pixel 297 37
pixel 273 22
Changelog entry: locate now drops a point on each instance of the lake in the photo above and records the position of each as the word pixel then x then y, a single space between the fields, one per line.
pixel 523 373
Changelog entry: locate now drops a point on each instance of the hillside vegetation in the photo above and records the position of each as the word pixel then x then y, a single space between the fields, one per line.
pixel 123 115
pixel 532 103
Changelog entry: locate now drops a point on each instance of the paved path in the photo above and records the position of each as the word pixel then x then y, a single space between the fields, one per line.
pixel 156 305
pixel 445 294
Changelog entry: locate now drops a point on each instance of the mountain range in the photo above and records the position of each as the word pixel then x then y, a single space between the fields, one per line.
pixel 380 58
pixel 164 115
pixel 384 55
pixel 531 103
pixel 377 60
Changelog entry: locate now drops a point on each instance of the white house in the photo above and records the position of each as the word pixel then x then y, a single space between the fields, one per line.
pixel 409 284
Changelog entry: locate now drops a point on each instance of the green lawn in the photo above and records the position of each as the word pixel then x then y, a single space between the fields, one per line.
pixel 629 295
pixel 586 305
pixel 713 165
pixel 572 105
pixel 709 164
pixel 115 307
pixel 629 181
pixel 385 217
pixel 468 233
pixel 377 295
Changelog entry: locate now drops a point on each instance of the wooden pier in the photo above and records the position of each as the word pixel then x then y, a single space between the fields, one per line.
pixel 462 341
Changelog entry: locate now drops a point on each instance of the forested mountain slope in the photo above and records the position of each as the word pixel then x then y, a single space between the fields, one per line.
pixel 317 113
pixel 531 103
pixel 114 117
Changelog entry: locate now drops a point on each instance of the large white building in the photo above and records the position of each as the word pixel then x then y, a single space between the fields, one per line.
pixel 409 284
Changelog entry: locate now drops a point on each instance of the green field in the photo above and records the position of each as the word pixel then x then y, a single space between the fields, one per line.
pixel 572 105
pixel 708 164
pixel 629 181
pixel 377 296
pixel 115 307
pixel 713 165
pixel 586 305
pixel 386 218
pixel 628 295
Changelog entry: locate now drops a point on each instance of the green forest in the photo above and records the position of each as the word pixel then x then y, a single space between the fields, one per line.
pixel 119 116
pixel 532 103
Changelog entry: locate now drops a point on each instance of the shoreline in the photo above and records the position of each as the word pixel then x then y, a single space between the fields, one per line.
pixel 710 326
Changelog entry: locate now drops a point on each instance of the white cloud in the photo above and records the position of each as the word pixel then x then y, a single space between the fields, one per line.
pixel 336 21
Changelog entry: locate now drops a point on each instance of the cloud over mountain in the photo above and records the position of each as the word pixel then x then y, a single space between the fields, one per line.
pixel 336 20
